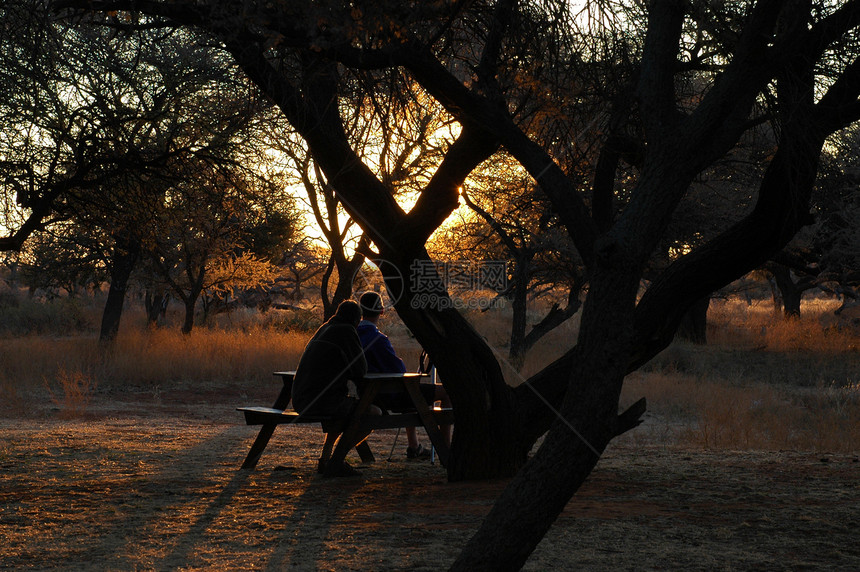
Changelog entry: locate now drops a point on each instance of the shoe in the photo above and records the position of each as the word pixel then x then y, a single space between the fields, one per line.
pixel 321 466
pixel 343 471
pixel 418 452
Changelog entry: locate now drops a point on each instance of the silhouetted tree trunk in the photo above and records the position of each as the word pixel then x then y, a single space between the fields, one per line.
pixel 694 325
pixel 588 421
pixel 347 268
pixel 126 253
pixel 189 300
pixel 188 321
pixel 155 303
pixel 519 306
pixel 788 292
pixel 488 439
pixel 190 294
pixel 554 318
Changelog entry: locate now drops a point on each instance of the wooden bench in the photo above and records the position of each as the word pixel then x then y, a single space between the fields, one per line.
pixel 278 414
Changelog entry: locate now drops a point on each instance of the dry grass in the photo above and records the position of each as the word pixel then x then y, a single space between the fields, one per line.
pixel 716 414
pixel 762 382
pixel 72 393
pixel 9 393
pixel 734 323
pixel 66 372
pixel 207 355
pixel 160 356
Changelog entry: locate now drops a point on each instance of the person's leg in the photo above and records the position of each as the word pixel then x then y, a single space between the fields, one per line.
pixel 343 410
pixel 339 411
pixel 346 408
pixel 415 450
pixel 412 438
pixel 328 445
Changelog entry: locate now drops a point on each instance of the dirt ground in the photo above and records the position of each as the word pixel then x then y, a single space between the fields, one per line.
pixel 151 481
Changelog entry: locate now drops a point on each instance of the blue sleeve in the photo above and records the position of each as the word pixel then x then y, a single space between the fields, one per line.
pixel 379 352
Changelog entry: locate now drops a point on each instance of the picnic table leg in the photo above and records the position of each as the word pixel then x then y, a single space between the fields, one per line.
pixel 352 435
pixel 433 430
pixel 267 429
pixel 364 452
pixel 259 445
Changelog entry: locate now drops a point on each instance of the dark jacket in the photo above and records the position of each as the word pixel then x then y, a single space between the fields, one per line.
pixel 378 350
pixel 332 357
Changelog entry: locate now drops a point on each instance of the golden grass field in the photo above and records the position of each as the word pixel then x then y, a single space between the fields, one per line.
pixel 747 459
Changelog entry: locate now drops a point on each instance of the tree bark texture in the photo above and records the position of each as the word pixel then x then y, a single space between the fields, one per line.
pixel 587 422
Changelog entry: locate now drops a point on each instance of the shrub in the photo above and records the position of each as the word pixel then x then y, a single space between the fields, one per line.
pixel 59 316
pixel 293 320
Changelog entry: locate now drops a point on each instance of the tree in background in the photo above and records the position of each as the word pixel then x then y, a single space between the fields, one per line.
pixel 399 133
pixel 58 260
pixel 837 239
pixel 199 242
pixel 335 226
pixel 521 229
pixel 50 128
pixel 824 254
pixel 97 128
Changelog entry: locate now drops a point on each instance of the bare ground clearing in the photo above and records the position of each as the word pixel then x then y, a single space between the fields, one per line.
pixel 150 480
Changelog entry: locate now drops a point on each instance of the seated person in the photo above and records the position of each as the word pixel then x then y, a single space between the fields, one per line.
pixel 381 358
pixel 332 357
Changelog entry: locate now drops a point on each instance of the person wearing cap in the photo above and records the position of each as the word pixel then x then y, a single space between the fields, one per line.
pixel 332 358
pixel 381 358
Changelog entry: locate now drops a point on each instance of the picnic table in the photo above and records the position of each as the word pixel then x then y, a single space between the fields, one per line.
pixel 344 434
